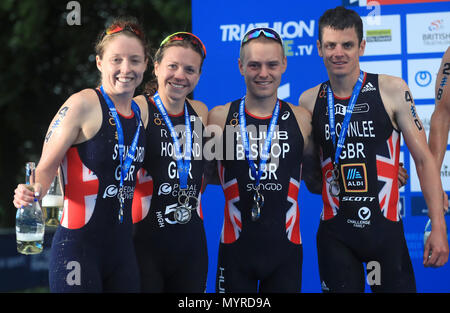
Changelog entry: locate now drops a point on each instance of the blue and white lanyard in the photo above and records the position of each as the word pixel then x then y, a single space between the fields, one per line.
pixel 124 164
pixel 182 164
pixel 347 117
pixel 257 172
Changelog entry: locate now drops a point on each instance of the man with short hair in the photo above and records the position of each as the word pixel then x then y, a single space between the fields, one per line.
pixel 264 141
pixel 357 118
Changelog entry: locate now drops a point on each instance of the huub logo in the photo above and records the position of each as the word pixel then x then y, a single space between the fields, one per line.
pixel 221 280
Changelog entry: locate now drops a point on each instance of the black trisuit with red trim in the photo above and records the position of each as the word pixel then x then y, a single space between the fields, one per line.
pixel 172 257
pixel 268 250
pixel 363 224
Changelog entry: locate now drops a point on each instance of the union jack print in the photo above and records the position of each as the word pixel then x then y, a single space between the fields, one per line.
pixel 232 223
pixel 293 215
pixel 142 197
pixel 387 171
pixel 80 192
pixel 330 203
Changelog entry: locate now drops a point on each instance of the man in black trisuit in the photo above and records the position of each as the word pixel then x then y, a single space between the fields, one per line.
pixel 263 146
pixel 357 118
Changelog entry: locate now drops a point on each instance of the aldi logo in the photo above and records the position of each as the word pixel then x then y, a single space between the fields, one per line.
pixel 354 177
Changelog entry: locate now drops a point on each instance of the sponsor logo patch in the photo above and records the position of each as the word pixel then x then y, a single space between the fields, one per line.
pixel 354 177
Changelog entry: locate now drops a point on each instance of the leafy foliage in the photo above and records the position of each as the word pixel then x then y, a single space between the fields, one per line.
pixel 44 60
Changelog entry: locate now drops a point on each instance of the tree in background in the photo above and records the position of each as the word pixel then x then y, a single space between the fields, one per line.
pixel 44 60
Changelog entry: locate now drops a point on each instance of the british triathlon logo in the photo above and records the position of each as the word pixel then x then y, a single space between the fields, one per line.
pixel 354 177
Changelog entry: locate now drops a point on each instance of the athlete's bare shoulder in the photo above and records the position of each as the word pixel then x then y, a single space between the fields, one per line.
pixel 442 86
pixel 391 84
pixel 303 117
pixel 83 99
pixel 302 114
pixel 392 90
pixel 87 113
pixel 397 99
pixel 446 56
pixel 141 101
pixel 307 99
pixel 201 109
pixel 77 120
pixel 84 107
pixel 218 115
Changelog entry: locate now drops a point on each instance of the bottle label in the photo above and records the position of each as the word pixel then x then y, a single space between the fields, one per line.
pixel 29 237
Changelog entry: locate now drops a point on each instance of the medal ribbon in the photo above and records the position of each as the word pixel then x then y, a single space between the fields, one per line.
pixel 182 165
pixel 124 164
pixel 256 172
pixel 347 117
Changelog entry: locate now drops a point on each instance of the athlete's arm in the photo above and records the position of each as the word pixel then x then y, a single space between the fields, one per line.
pixel 201 109
pixel 213 150
pixel 402 176
pixel 400 107
pixel 311 168
pixel 77 120
pixel 143 106
pixel 440 120
pixel 307 99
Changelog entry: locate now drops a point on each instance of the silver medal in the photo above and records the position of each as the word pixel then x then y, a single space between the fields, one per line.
pixel 182 215
pixel 256 212
pixel 186 203
pixel 332 178
pixel 120 215
pixel 258 202
pixel 121 204
pixel 334 188
pixel 183 198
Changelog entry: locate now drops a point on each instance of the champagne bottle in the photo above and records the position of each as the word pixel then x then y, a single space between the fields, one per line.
pixel 52 204
pixel 30 221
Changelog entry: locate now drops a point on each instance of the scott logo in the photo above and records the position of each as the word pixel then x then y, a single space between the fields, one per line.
pixel 358 199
